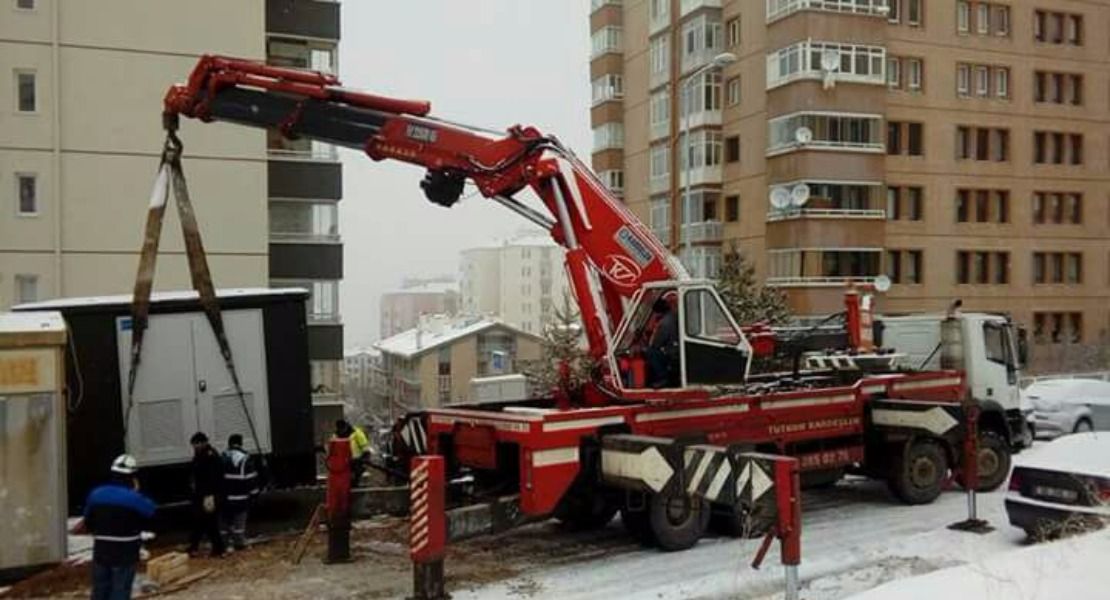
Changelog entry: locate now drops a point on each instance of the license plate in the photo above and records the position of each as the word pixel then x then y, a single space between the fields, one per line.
pixel 1055 493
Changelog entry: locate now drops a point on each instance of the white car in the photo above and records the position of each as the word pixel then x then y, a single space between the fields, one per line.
pixel 1061 487
pixel 1062 406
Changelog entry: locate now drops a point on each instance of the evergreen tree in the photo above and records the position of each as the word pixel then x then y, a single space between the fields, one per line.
pixel 748 301
pixel 562 344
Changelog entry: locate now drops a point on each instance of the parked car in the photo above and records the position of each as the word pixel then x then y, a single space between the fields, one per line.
pixel 1062 486
pixel 1062 406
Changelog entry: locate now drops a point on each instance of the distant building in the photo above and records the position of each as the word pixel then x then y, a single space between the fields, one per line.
pixel 364 380
pixel 520 282
pixel 433 364
pixel 401 309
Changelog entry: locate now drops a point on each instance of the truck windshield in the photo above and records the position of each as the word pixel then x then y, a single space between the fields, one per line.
pixel 999 347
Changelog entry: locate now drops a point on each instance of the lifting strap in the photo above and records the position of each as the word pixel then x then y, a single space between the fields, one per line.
pixel 171 174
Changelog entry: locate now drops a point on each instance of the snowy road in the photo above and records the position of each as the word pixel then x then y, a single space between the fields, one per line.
pixel 854 537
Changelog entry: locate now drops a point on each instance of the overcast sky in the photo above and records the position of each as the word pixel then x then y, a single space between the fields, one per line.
pixel 493 63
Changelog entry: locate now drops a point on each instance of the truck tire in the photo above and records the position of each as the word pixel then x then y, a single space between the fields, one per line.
pixel 586 511
pixel 677 521
pixel 994 461
pixel 918 472
pixel 638 524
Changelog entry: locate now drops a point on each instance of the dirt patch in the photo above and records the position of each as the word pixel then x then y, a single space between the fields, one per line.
pixel 58 582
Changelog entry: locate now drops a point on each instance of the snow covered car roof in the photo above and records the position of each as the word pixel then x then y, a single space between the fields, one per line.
pixel 1080 453
pixel 1079 390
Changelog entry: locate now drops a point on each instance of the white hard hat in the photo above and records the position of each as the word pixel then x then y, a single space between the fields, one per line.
pixel 125 465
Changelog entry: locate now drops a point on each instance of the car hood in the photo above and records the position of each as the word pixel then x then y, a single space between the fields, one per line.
pixel 1080 453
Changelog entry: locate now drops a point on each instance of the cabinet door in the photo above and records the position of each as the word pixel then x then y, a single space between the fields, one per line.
pixel 163 412
pixel 220 410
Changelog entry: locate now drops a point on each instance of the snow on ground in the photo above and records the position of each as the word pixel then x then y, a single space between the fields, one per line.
pixel 1072 568
pixel 853 538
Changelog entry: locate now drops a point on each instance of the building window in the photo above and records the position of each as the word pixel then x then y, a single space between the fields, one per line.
pixel 608 135
pixel 26 91
pixel 963 80
pixel 732 149
pixel 1002 83
pixel 660 218
pixel 660 55
pixel 614 180
pixel 26 195
pixel 1001 20
pixel 660 113
pixel 982 143
pixel 732 208
pixel 703 39
pixel 804 60
pixel 1058 28
pixel 25 4
pixel 982 206
pixel 660 11
pixel 982 267
pixel 733 32
pixel 982 81
pixel 703 150
pixel 1058 208
pixel 660 162
pixel 1057 327
pixel 905 266
pixel 703 94
pixel 914 74
pixel 963 16
pixel 983 18
pixel 827 130
pixel 907 138
pixel 1058 88
pixel 895 12
pixel 894 72
pixel 26 288
pixel 1057 267
pixel 606 40
pixel 1057 148
pixel 608 87
pixel 733 91
pixel 913 13
pixel 905 203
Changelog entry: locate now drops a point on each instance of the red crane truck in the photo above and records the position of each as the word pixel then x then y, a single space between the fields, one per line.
pixel 652 434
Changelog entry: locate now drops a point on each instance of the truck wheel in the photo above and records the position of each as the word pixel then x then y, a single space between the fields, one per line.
pixel 677 520
pixel 586 511
pixel 994 461
pixel 740 522
pixel 638 524
pixel 918 472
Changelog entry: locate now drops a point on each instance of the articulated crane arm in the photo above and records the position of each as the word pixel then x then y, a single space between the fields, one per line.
pixel 610 253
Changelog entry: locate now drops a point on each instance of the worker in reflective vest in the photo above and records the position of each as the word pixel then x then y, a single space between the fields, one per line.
pixel 360 448
pixel 240 487
pixel 116 514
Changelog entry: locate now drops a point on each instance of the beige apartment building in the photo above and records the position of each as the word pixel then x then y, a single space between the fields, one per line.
pixel 402 308
pixel 522 281
pixel 960 147
pixel 434 363
pixel 81 88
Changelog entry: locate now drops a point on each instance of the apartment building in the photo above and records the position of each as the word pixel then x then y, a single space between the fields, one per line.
pixel 305 184
pixel 400 310
pixel 433 364
pixel 959 147
pixel 522 281
pixel 81 87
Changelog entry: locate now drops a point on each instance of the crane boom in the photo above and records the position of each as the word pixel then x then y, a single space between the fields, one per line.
pixel 610 254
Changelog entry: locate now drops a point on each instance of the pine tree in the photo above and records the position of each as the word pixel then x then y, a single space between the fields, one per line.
pixel 562 336
pixel 748 301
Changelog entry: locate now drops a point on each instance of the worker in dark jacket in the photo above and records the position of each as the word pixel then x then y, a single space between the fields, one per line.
pixel 662 351
pixel 207 497
pixel 115 515
pixel 240 486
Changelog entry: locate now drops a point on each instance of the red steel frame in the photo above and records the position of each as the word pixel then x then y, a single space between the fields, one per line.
pixel 549 441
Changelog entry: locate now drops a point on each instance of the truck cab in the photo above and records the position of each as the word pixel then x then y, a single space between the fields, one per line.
pixel 986 347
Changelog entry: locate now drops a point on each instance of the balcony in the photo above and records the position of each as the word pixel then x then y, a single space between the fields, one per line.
pixel 706 175
pixel 825 213
pixel 306 18
pixel 304 222
pixel 689 6
pixel 703 232
pixel 659 185
pixel 778 9
pixel 818 282
pixel 845 132
pixel 854 63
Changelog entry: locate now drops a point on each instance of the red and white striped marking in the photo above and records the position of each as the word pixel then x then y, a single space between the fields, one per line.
pixel 418 496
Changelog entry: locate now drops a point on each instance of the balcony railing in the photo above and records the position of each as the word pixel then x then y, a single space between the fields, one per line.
pixel 658 185
pixel 777 9
pixel 825 213
pixel 804 282
pixel 705 231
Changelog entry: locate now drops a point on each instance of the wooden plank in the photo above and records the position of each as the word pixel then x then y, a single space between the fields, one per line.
pixel 301 545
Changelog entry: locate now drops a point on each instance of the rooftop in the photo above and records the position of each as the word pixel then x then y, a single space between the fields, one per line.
pixel 158 297
pixel 436 332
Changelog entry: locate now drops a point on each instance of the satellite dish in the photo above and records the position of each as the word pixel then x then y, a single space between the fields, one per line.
pixel 830 60
pixel 803 135
pixel 882 283
pixel 799 195
pixel 780 198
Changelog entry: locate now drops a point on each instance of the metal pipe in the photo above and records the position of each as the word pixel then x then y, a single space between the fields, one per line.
pixel 564 215
pixel 791 592
pixel 525 211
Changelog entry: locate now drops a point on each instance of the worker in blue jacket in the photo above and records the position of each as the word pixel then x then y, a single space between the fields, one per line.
pixel 116 515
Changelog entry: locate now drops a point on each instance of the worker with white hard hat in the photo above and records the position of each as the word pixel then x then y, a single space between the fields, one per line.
pixel 116 515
